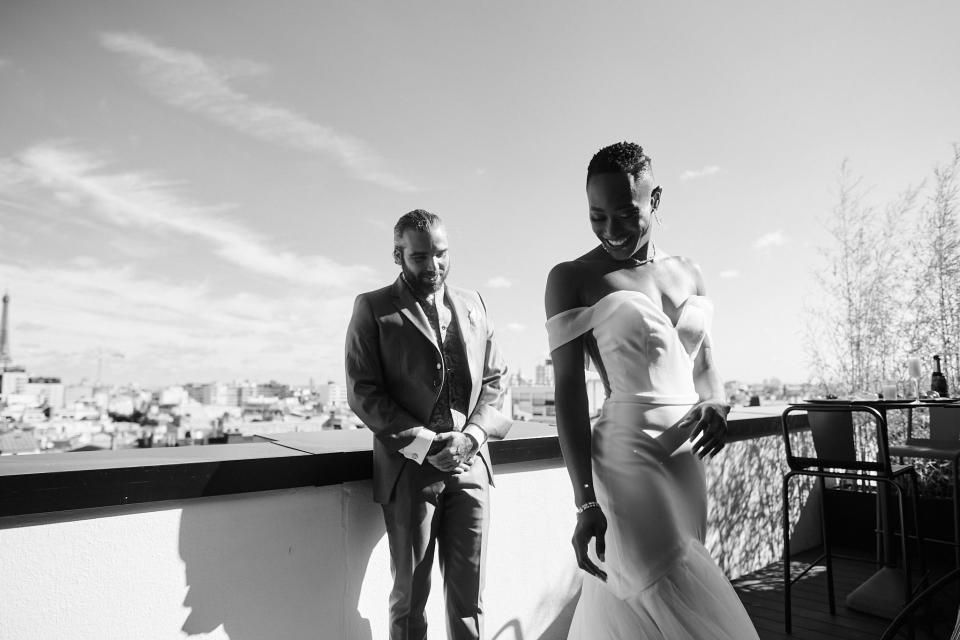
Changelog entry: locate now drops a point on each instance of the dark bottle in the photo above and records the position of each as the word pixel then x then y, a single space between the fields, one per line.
pixel 938 382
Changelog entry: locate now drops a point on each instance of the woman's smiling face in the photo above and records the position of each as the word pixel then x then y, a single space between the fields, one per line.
pixel 621 211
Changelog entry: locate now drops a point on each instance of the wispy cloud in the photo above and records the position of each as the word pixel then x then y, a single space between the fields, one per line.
pixel 198 84
pixel 499 282
pixel 692 174
pixel 729 273
pixel 81 179
pixel 772 239
pixel 166 331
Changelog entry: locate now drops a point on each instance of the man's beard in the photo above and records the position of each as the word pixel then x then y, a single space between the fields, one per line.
pixel 426 284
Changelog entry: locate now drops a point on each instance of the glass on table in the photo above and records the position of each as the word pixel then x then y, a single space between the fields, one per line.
pixel 915 373
pixel 888 389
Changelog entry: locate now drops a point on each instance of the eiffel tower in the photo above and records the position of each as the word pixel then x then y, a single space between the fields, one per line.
pixel 5 358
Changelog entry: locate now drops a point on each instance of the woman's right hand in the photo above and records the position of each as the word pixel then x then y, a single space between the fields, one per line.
pixel 590 524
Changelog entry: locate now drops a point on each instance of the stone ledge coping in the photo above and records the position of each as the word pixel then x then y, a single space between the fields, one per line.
pixel 66 481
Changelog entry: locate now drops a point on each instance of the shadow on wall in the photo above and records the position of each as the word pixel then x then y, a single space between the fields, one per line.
pixel 558 629
pixel 277 564
pixel 743 486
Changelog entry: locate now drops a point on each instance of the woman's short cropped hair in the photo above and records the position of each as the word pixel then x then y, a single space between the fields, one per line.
pixel 621 157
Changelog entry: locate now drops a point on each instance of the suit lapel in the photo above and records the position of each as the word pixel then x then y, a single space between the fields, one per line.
pixel 408 306
pixel 468 319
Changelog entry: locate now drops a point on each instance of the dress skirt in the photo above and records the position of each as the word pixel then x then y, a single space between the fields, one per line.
pixel 662 583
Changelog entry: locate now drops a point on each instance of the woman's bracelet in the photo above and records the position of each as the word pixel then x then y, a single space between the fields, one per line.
pixel 593 504
pixel 720 401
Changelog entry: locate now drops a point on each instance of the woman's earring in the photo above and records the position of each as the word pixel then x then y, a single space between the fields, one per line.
pixel 656 216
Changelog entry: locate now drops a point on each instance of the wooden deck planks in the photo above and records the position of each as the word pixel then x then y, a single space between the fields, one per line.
pixel 762 595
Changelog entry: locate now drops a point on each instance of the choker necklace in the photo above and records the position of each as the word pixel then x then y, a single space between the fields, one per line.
pixel 636 262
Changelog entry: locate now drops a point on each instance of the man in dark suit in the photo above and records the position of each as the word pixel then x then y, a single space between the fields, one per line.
pixel 425 375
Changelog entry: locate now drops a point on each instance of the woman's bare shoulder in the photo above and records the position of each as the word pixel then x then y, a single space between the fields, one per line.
pixel 563 288
pixel 565 284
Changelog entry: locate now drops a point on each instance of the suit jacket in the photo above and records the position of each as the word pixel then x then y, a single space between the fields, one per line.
pixel 394 373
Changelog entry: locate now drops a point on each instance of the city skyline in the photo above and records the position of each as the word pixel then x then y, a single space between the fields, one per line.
pixel 200 196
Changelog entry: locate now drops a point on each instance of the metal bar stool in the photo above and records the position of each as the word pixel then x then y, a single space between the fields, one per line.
pixel 836 456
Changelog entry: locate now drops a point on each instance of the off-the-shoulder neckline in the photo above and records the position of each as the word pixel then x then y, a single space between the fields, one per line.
pixel 631 293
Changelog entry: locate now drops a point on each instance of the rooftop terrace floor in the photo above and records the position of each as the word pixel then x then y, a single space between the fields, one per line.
pixel 762 594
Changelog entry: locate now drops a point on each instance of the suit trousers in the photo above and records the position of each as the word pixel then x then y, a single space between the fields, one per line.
pixel 435 512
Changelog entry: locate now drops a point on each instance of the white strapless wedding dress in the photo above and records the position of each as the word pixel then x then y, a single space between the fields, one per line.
pixel 661 581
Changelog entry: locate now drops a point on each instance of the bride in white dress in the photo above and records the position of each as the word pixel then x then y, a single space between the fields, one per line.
pixel 640 318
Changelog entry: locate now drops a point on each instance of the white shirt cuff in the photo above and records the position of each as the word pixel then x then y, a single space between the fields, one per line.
pixel 477 433
pixel 418 449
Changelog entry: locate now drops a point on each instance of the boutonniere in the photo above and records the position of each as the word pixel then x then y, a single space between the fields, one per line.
pixel 474 316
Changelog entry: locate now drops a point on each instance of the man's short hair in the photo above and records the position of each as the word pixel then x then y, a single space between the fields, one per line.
pixel 418 220
pixel 621 157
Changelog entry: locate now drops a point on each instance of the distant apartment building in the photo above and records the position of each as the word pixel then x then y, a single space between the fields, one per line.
pixel 333 394
pixel 194 391
pixel 13 380
pixel 219 394
pixel 537 402
pixel 242 392
pixel 273 389
pixel 233 394
pixel 543 373
pixel 533 402
pixel 50 392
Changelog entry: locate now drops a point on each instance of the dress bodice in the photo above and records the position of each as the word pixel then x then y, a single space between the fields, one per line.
pixel 643 355
pixel 661 582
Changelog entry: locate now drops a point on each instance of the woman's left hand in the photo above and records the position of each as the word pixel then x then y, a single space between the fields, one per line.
pixel 709 420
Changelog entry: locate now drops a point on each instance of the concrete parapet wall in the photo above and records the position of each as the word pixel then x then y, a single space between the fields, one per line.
pixel 312 561
pixel 298 563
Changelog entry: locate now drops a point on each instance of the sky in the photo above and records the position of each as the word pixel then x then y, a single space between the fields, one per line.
pixel 199 194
